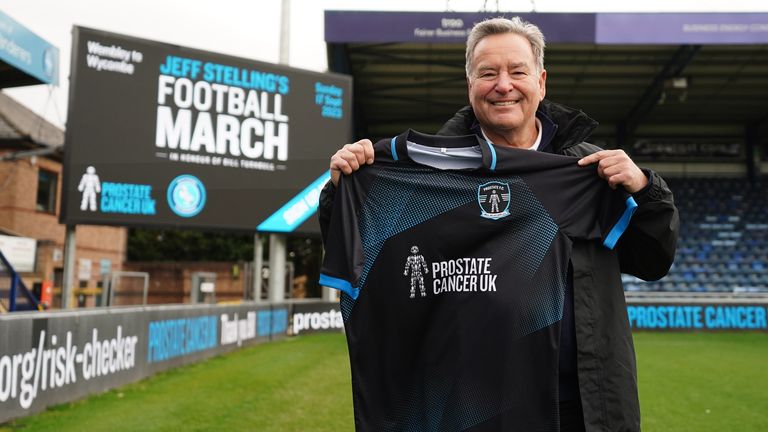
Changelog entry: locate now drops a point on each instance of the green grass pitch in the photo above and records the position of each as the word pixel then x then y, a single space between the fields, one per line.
pixel 688 382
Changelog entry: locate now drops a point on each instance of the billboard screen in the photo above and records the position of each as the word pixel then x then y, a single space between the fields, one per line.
pixel 168 136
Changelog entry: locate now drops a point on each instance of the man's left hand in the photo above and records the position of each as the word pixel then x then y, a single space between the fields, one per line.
pixel 616 167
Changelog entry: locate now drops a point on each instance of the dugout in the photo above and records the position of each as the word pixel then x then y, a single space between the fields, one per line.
pixel 684 92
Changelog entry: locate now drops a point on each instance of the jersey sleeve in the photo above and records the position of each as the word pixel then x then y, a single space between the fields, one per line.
pixel 594 210
pixel 583 205
pixel 344 259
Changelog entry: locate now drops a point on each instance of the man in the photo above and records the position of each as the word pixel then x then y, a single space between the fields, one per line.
pixel 506 84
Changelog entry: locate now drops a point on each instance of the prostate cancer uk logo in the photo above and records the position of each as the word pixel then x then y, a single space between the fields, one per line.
pixel 186 195
pixel 493 198
pixel 120 198
pixel 459 275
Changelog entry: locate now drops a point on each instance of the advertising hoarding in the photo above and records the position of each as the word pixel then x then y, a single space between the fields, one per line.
pixel 55 357
pixel 663 28
pixel 310 318
pixel 168 136
pixel 698 316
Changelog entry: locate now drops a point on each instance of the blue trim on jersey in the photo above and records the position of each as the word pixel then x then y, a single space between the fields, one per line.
pixel 339 284
pixel 621 225
pixel 393 149
pixel 493 156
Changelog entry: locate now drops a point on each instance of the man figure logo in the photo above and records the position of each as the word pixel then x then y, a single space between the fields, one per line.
pixel 493 198
pixel 89 186
pixel 413 267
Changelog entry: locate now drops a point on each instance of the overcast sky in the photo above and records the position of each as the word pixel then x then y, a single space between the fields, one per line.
pixel 251 28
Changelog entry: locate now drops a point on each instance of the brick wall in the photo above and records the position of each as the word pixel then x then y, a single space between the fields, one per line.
pixel 171 282
pixel 19 216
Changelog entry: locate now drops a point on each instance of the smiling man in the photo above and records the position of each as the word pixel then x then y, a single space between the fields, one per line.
pixel 505 84
pixel 506 81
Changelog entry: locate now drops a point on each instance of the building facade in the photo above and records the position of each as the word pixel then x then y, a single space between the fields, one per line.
pixel 31 152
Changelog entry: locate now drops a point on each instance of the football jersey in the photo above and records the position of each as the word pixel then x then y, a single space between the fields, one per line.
pixel 452 258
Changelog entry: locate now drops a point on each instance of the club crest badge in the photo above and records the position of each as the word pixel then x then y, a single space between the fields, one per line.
pixel 186 195
pixel 493 198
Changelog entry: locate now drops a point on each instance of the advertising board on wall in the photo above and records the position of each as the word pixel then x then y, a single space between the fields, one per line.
pixel 20 252
pixel 315 317
pixel 55 357
pixel 713 149
pixel 698 317
pixel 663 28
pixel 59 356
pixel 168 136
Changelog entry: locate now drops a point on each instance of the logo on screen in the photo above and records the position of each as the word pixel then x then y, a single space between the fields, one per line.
pixel 186 195
pixel 90 186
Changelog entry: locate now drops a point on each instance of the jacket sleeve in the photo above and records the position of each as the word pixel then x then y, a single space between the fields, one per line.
pixel 647 248
pixel 325 208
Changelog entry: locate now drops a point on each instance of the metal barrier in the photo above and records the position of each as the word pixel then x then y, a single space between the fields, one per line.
pixel 29 301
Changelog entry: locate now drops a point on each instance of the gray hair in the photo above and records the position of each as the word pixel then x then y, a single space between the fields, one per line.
pixel 516 25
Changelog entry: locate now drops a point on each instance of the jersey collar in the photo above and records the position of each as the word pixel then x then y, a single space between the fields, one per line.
pixel 398 148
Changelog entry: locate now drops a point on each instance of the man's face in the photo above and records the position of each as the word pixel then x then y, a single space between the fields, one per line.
pixel 504 86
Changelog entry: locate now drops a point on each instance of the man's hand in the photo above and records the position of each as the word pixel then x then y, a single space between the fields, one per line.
pixel 616 167
pixel 350 158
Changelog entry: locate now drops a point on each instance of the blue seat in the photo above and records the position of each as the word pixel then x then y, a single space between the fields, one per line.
pixel 723 241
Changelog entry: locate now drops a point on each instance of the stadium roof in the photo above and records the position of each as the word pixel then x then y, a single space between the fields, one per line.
pixel 26 133
pixel 25 58
pixel 634 82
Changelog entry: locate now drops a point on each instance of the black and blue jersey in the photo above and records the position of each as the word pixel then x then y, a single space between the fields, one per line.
pixel 452 258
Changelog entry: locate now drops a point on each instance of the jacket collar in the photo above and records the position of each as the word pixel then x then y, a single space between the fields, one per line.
pixel 562 126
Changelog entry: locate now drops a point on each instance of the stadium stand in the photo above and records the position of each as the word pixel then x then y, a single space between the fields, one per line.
pixel 723 244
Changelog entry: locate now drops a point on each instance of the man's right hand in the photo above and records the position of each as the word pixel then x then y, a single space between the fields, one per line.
pixel 350 158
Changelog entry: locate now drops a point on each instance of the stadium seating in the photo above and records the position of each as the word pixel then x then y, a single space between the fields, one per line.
pixel 723 244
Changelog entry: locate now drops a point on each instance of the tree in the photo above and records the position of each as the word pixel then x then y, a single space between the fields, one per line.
pixel 188 245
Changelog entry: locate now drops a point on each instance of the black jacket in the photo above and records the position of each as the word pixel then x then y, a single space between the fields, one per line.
pixel 605 353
